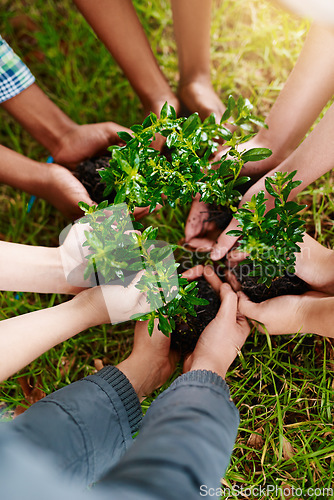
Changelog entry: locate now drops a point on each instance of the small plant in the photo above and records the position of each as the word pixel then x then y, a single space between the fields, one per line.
pixel 271 239
pixel 117 252
pixel 141 175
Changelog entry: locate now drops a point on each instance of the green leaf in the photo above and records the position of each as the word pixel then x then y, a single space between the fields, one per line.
pixel 229 108
pixel 190 124
pixel 125 136
pixel 256 154
pixel 150 326
pixel 235 233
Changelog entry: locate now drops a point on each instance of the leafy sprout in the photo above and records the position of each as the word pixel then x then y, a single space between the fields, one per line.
pixel 141 175
pixel 118 252
pixel 271 238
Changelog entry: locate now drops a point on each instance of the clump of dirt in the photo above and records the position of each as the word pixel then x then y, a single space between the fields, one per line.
pixel 186 334
pixel 221 216
pixel 88 174
pixel 288 284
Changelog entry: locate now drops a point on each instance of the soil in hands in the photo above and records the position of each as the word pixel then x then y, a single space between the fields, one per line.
pixel 88 175
pixel 221 216
pixel 288 284
pixel 184 337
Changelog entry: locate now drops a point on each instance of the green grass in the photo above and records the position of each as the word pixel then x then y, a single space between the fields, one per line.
pixel 284 390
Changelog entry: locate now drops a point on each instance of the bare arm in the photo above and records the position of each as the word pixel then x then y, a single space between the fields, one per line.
pixel 116 23
pixel 24 338
pixel 68 142
pixel 312 159
pixel 27 268
pixel 49 181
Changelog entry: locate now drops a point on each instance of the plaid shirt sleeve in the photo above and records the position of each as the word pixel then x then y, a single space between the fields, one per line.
pixel 14 74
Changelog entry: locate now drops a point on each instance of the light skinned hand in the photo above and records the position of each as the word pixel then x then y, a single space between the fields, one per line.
pixel 115 303
pixel 285 314
pixel 223 338
pixel 314 264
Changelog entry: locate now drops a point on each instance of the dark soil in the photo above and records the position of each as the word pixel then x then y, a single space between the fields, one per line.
pixel 88 175
pixel 184 337
pixel 289 284
pixel 221 216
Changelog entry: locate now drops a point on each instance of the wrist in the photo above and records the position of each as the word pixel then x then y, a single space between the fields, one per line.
pixel 83 307
pixel 61 283
pixel 144 377
pixel 215 366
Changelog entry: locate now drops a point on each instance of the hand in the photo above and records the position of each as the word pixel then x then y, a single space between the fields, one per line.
pixel 64 191
pixel 114 303
pixel 199 95
pixel 151 361
pixel 84 141
pixel 315 265
pixel 285 314
pixel 223 338
pixel 197 221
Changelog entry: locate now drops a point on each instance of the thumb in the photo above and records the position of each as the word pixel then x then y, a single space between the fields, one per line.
pixel 229 301
pixel 246 307
pixel 224 242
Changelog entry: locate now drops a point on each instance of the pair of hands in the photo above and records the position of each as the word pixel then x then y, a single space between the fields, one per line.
pixel 215 351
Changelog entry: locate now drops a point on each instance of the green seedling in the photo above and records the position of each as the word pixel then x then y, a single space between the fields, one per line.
pixel 271 238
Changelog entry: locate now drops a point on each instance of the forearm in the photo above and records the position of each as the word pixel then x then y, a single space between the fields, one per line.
pixel 192 23
pixel 40 117
pixel 113 21
pixel 21 172
pixel 312 159
pixel 28 268
pixel 307 90
pixel 25 337
pixel 318 316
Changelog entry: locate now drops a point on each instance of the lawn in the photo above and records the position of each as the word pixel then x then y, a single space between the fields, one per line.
pixel 283 386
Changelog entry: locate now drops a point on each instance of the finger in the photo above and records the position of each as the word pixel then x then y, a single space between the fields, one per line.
pixel 224 242
pixel 212 278
pixel 201 244
pixel 248 308
pixel 232 280
pixel 194 272
pixel 198 215
pixel 228 308
pixel 235 256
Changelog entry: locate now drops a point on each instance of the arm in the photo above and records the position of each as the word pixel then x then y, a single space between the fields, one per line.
pixel 27 268
pixel 312 159
pixel 192 23
pixel 188 433
pixel 68 142
pixel 24 338
pixel 307 90
pixel 117 25
pixel 49 181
